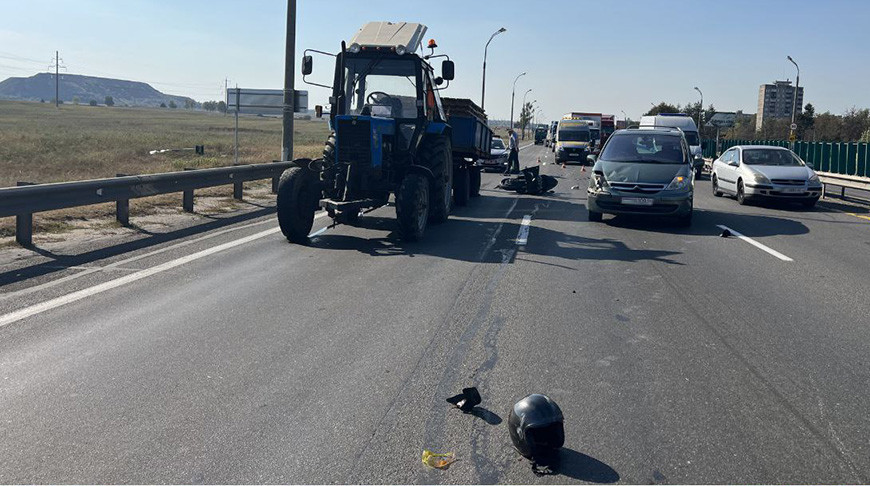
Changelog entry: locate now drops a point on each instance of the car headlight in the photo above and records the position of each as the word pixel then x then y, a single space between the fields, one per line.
pixel 560 148
pixel 598 182
pixel 760 178
pixel 679 182
pixel 815 178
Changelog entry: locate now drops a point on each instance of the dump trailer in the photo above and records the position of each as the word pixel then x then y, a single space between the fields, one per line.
pixel 390 137
pixel 472 139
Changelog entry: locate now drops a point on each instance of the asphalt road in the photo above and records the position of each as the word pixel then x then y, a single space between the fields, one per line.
pixel 232 356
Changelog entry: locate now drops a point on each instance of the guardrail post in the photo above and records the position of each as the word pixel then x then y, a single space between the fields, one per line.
pixel 187 198
pixel 122 208
pixel 24 224
pixel 275 184
pixel 237 188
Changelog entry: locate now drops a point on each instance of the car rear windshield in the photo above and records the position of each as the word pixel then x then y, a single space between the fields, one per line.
pixel 692 138
pixel 573 135
pixel 497 143
pixel 650 148
pixel 770 157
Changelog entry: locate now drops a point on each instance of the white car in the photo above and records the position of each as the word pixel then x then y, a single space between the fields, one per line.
pixel 762 171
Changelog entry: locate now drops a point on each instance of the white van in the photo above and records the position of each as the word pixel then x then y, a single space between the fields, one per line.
pixel 685 123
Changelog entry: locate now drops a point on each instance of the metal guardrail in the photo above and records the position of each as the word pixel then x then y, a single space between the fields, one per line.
pixel 843 181
pixel 28 198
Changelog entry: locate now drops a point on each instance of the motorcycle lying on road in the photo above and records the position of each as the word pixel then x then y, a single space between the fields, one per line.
pixel 529 181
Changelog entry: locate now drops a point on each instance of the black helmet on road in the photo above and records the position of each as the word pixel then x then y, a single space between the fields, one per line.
pixel 536 426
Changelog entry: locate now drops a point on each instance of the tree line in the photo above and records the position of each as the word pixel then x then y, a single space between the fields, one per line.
pixel 851 126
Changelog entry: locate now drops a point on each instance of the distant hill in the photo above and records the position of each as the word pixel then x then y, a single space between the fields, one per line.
pixel 87 88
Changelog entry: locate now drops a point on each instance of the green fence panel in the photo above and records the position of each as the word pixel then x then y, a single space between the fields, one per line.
pixel 861 160
pixel 825 165
pixel 817 153
pixel 841 159
pixel 851 158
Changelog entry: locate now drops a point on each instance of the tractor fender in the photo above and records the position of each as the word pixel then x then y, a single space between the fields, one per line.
pixel 307 164
pixel 424 171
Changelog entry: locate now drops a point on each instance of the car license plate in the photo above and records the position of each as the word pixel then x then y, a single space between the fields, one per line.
pixel 637 201
pixel 573 154
pixel 792 190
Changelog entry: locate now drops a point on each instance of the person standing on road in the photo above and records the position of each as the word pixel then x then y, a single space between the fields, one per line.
pixel 514 157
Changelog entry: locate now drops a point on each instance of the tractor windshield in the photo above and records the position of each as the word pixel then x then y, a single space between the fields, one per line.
pixel 381 87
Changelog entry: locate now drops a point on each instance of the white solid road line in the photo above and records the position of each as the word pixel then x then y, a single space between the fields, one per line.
pixel 756 244
pixel 523 234
pixel 114 266
pixel 525 146
pixel 111 284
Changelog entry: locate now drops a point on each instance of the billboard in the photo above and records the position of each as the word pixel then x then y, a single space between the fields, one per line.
pixel 263 101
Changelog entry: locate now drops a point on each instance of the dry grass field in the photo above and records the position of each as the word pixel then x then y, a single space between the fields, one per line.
pixel 39 143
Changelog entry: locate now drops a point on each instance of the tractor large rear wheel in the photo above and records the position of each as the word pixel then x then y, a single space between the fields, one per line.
pixel 436 154
pixel 412 206
pixel 297 201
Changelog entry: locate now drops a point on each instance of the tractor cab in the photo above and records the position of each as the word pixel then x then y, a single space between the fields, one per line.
pixel 390 134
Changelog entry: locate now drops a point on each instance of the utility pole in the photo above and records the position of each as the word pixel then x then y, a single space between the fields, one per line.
pixel 792 136
pixel 483 83
pixel 513 95
pixel 226 91
pixel 701 111
pixel 289 82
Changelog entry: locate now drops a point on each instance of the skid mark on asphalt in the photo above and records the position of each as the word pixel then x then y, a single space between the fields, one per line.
pixel 756 244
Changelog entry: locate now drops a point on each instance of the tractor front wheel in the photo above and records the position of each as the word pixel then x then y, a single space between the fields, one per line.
pixel 297 201
pixel 412 206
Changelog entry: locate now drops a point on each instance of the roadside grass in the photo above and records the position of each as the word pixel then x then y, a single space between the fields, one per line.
pixel 40 143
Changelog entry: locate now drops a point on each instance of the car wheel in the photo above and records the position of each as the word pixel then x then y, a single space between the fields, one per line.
pixel 595 216
pixel 715 182
pixel 741 194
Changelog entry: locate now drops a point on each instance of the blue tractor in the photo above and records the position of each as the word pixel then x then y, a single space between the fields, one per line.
pixel 390 136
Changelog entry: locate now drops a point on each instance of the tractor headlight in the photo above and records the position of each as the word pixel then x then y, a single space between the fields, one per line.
pixel 400 50
pixel 354 48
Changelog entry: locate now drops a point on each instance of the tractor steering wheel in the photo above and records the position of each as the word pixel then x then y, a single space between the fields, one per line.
pixel 370 99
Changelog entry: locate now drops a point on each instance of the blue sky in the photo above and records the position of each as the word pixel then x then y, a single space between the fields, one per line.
pixel 579 55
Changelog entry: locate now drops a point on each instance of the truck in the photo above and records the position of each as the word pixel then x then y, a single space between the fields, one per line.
pixel 550 141
pixel 687 125
pixel 540 134
pixel 391 134
pixel 594 120
pixel 573 140
pixel 608 126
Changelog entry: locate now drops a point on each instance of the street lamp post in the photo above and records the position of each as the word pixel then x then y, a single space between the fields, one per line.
pixel 523 108
pixel 513 95
pixel 797 83
pixel 625 117
pixel 483 83
pixel 702 108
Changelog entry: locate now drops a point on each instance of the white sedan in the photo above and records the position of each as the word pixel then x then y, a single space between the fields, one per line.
pixel 762 171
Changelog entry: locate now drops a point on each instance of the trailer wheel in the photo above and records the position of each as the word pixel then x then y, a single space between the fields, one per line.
pixel 474 186
pixel 461 189
pixel 297 201
pixel 412 206
pixel 436 154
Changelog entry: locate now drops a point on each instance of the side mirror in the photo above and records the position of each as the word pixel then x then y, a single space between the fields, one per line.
pixel 447 70
pixel 318 111
pixel 733 163
pixel 811 165
pixel 307 65
pixel 591 158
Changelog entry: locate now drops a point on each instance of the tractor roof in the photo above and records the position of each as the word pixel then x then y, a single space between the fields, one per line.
pixel 389 34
